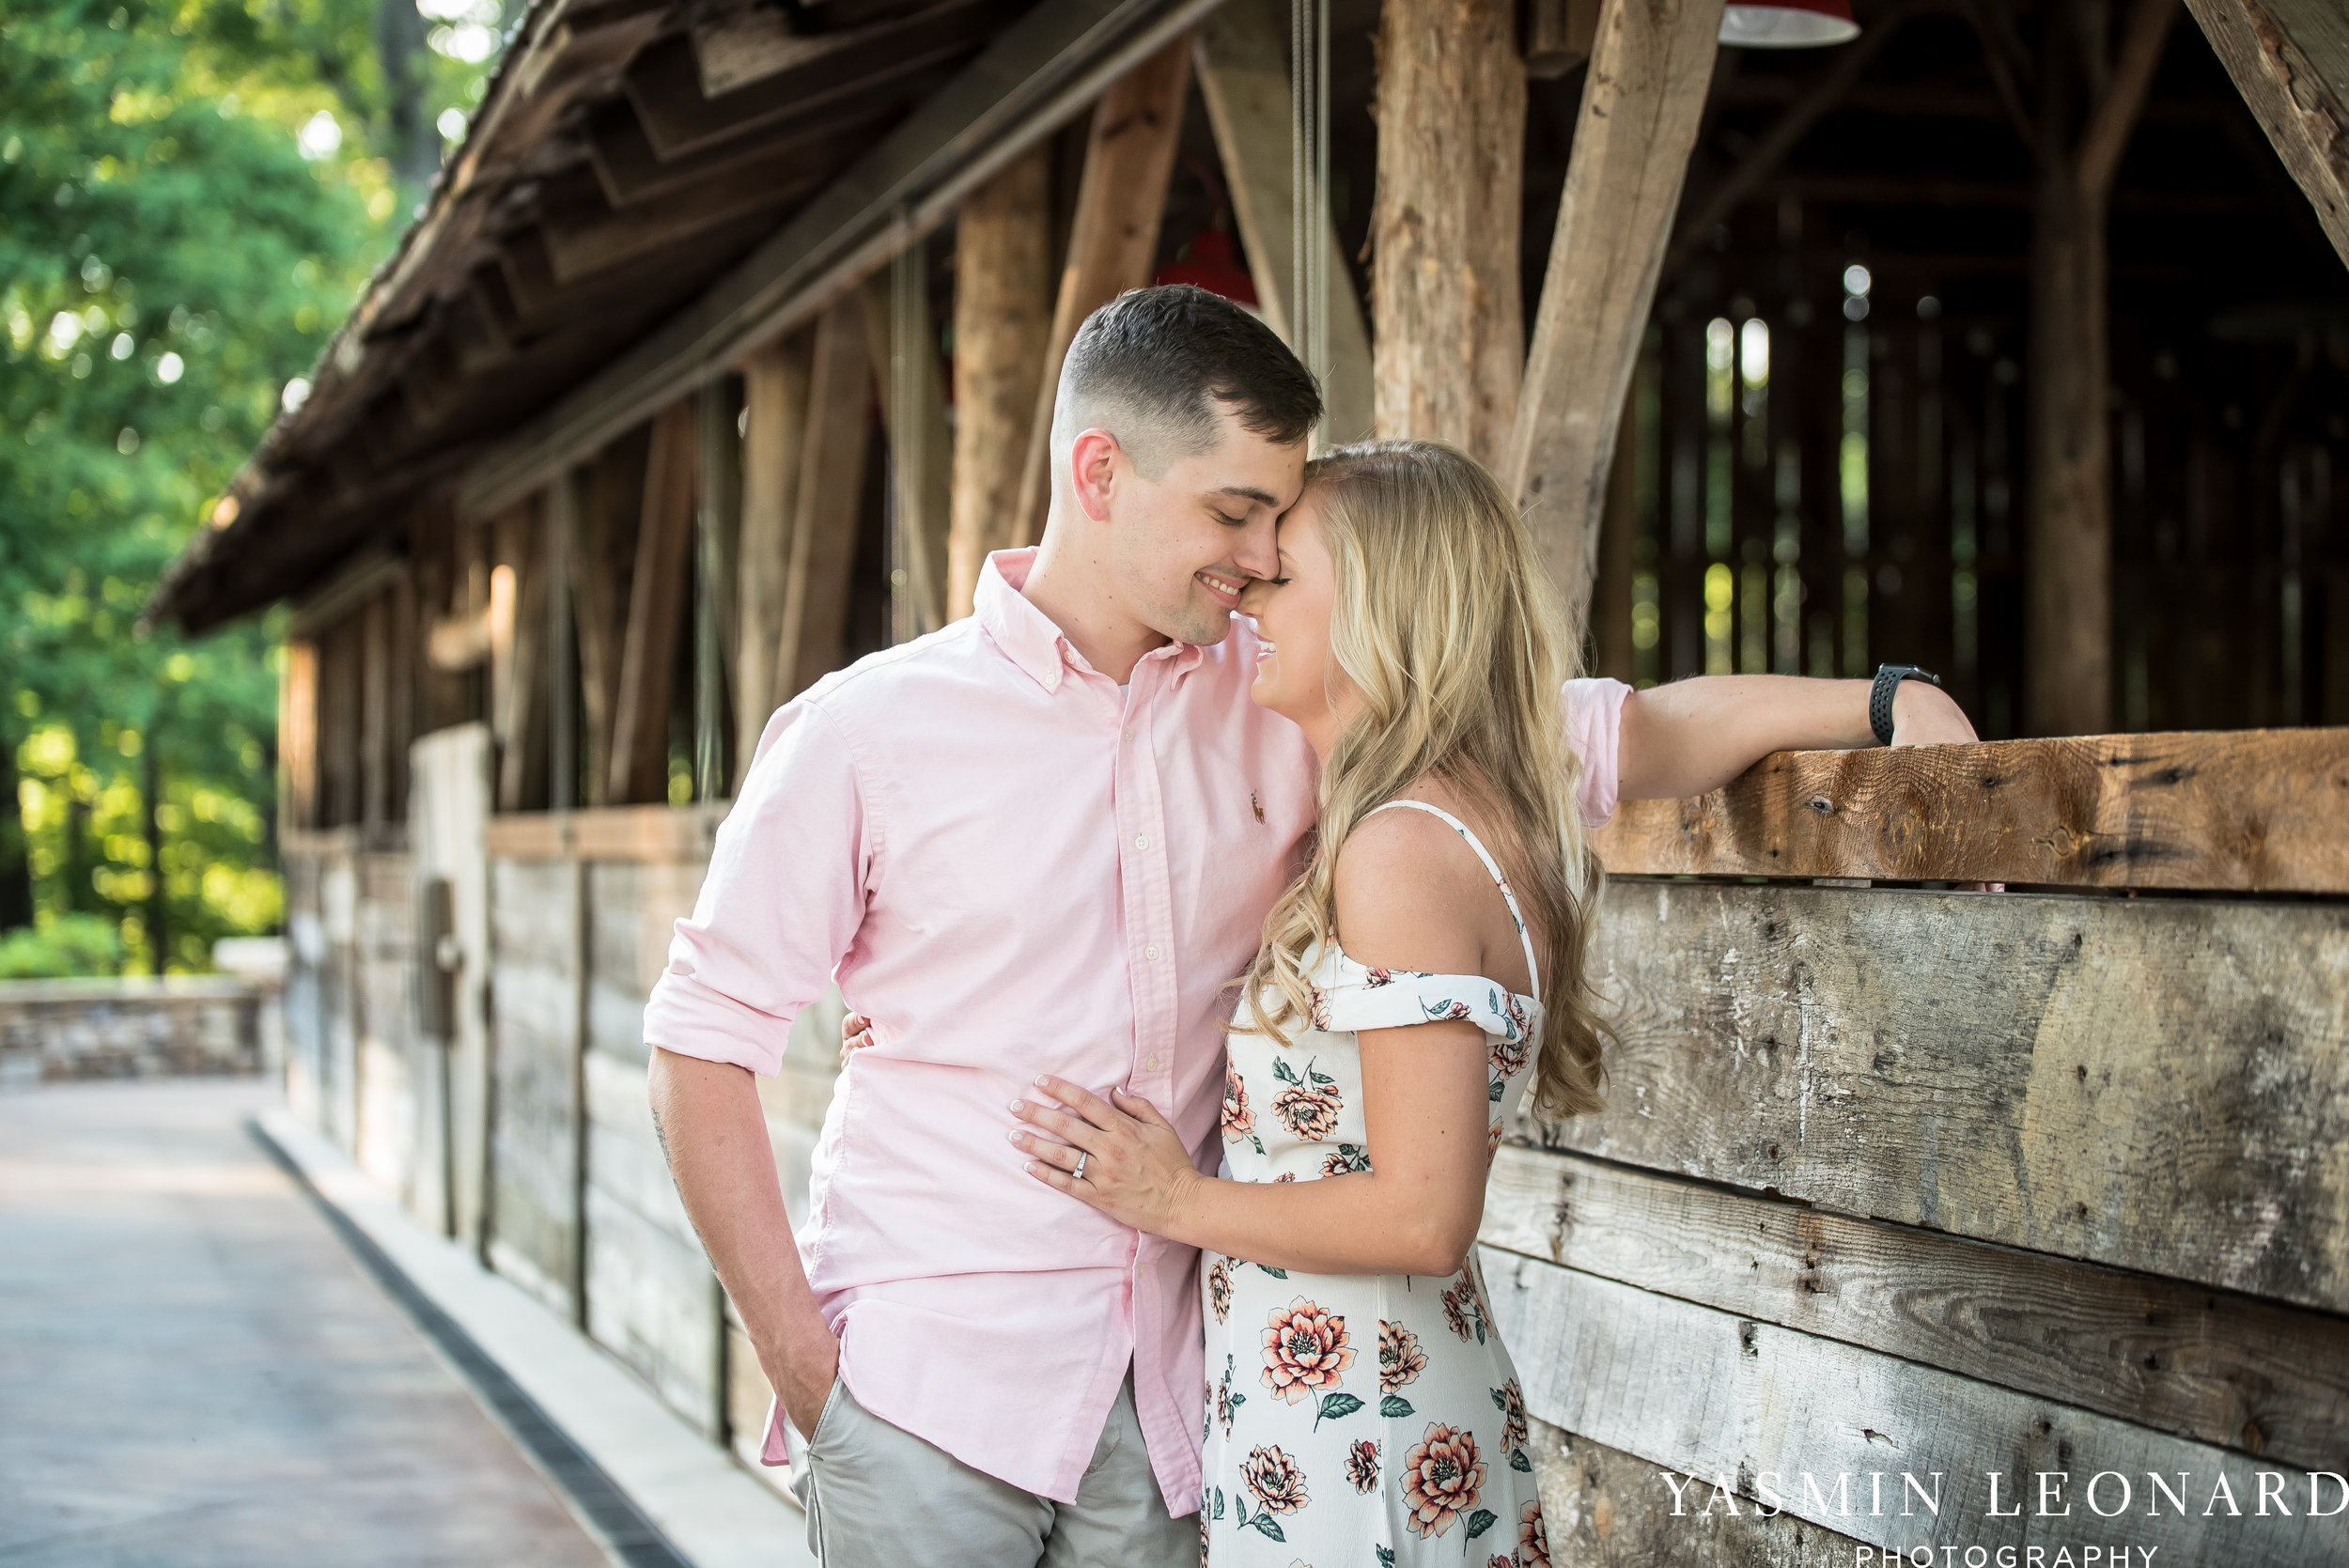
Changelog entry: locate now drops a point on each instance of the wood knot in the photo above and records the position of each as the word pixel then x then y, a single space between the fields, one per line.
pixel 1821 804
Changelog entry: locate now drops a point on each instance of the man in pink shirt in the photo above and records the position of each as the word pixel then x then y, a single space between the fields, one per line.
pixel 1041 841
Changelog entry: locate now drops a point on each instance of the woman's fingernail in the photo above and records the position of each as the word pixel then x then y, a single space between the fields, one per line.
pixel 1018 1104
pixel 1013 1135
pixel 1041 1079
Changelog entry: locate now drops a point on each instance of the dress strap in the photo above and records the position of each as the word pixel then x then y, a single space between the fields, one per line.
pixel 1533 967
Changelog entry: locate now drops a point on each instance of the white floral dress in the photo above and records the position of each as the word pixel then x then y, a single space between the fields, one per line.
pixel 1360 1421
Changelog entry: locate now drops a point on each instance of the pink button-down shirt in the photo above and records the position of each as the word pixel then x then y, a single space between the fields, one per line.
pixel 1011 870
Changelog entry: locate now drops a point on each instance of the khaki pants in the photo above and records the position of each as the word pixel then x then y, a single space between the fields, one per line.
pixel 881 1498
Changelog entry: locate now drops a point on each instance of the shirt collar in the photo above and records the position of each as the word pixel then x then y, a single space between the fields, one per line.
pixel 1027 635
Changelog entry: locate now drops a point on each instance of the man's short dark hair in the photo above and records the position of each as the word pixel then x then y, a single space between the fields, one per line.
pixel 1151 366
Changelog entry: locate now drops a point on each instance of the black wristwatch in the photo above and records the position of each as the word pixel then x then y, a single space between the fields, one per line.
pixel 1889 678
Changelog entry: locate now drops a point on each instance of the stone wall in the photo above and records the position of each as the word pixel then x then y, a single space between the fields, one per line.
pixel 130 1027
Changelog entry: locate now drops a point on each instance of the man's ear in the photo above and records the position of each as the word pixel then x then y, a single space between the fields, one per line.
pixel 1095 459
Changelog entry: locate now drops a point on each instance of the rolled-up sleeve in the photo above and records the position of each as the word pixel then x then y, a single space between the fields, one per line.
pixel 784 894
pixel 1593 716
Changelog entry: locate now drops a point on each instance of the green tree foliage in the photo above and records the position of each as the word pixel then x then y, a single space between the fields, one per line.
pixel 182 225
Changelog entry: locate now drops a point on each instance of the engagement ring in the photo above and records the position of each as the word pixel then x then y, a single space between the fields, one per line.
pixel 1079 1172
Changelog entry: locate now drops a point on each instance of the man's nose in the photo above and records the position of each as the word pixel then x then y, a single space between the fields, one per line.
pixel 1259 550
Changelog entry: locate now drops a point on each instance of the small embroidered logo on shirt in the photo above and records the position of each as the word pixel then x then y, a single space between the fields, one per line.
pixel 1255 805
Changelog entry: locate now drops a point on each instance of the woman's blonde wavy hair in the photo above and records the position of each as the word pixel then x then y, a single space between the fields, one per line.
pixel 1448 629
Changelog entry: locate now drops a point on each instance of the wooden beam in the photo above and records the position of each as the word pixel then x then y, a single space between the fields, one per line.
pixel 1710 1395
pixel 1448 333
pixel 1039 71
pixel 775 394
pixel 2068 630
pixel 904 349
pixel 1943 1059
pixel 2278 51
pixel 1003 325
pixel 2227 1370
pixel 1114 242
pixel 832 487
pixel 298 736
pixel 638 768
pixel 2253 811
pixel 1641 101
pixel 1243 77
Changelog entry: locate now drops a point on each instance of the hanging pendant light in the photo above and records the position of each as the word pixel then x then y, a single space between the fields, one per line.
pixel 1787 24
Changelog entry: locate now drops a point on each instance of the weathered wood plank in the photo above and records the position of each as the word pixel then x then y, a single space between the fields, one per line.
pixel 1753 1406
pixel 1650 69
pixel 832 484
pixel 521 725
pixel 1448 310
pixel 2266 47
pixel 1603 1508
pixel 656 834
pixel 1243 78
pixel 1114 242
pixel 1002 323
pixel 653 1303
pixel 2153 1084
pixel 2262 811
pixel 774 393
pixel 2211 1365
pixel 534 1001
pixel 624 1158
pixel 638 768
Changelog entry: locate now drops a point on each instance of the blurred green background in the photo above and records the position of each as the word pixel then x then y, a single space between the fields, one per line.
pixel 192 197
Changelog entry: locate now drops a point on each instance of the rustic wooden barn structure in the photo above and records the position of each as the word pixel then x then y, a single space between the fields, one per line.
pixel 2009 339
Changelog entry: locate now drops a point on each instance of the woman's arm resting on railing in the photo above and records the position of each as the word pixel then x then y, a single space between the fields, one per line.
pixel 1694 736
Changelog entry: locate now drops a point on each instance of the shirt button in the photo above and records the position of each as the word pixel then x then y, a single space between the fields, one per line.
pixel 1151 1063
pixel 1142 841
pixel 1126 734
pixel 1151 952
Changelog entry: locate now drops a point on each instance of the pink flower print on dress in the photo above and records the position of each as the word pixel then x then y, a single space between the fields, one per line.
pixel 1442 1478
pixel 1308 1107
pixel 1463 1308
pixel 1305 1350
pixel 1361 1466
pixel 1220 1287
pixel 1509 1399
pixel 1400 1358
pixel 1380 977
pixel 1508 1057
pixel 1532 1538
pixel 1276 1480
pixel 1239 1121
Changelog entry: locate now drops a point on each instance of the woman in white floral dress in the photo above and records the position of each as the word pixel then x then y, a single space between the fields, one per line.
pixel 1360 1409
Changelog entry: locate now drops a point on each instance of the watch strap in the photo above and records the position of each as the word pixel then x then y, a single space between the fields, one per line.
pixel 1889 678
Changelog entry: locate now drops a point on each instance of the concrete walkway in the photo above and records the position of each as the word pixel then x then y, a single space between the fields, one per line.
pixel 194 1372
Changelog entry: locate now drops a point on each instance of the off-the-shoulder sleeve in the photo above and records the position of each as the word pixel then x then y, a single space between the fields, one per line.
pixel 780 904
pixel 1396 999
pixel 1594 717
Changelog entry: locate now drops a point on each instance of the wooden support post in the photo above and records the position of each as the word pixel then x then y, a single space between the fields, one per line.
pixel 2068 674
pixel 717 521
pixel 1448 336
pixel 375 691
pixel 563 509
pixel 2298 100
pixel 1113 242
pixel 298 738
pixel 774 393
pixel 832 483
pixel 904 351
pixel 1641 101
pixel 638 770
pixel 1243 76
pixel 519 721
pixel 599 579
pixel 1002 323
pixel 1611 605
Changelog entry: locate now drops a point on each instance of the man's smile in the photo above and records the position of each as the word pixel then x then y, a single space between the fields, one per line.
pixel 1227 590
